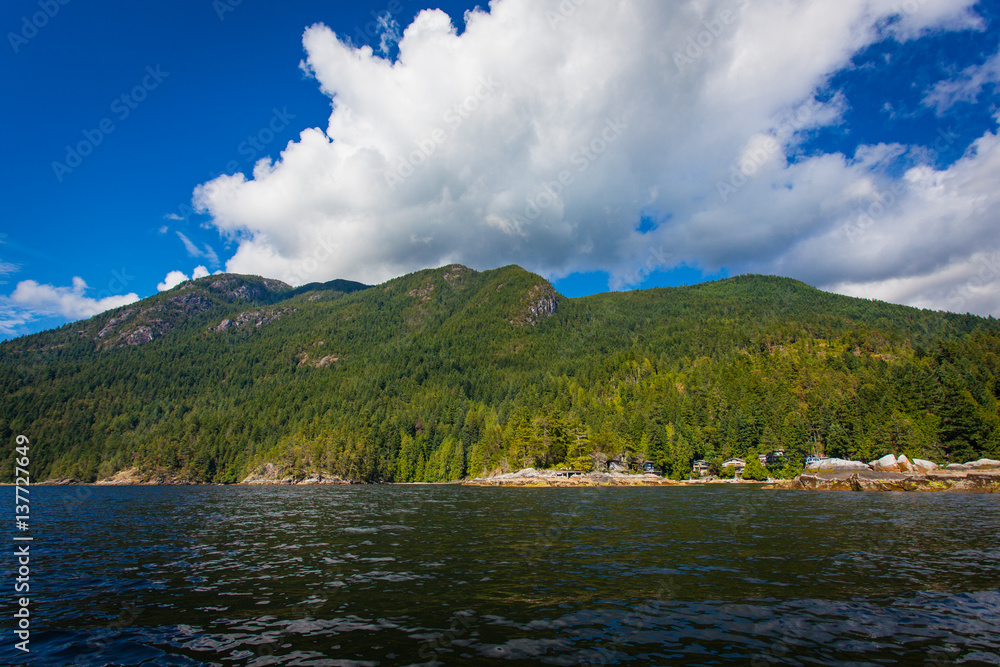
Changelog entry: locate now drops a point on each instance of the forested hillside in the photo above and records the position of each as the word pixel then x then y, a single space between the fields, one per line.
pixel 450 373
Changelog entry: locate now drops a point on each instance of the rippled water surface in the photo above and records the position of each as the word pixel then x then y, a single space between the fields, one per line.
pixel 397 575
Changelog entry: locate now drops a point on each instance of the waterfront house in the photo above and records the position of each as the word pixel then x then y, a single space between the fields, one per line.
pixel 614 465
pixel 700 468
pixel 772 458
pixel 739 464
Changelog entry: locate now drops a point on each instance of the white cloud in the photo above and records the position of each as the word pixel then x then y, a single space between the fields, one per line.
pixel 173 279
pixel 7 268
pixel 12 321
pixel 455 152
pixel 172 216
pixel 971 285
pixel 209 254
pixel 31 300
pixel 964 88
pixel 193 250
pixel 388 30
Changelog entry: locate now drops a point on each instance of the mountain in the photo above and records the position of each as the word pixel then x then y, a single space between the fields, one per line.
pixel 450 372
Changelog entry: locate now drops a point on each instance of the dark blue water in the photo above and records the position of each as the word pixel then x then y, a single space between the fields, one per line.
pixel 398 575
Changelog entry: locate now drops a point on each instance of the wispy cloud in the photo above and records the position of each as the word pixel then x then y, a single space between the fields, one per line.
pixel 388 30
pixel 966 87
pixel 193 250
pixel 6 268
pixel 209 254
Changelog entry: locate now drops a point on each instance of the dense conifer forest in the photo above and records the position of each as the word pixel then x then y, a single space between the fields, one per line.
pixel 451 373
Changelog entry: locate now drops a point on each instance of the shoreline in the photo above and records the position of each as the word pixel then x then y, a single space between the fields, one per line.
pixel 976 477
pixel 986 480
pixel 531 478
pixel 600 479
pixel 891 473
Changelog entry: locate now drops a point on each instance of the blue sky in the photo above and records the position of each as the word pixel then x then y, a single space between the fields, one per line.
pixel 165 97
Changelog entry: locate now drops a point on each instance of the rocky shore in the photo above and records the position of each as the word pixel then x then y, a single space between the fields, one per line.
pixel 130 477
pixel 538 478
pixel 885 474
pixel 270 474
pixel 896 474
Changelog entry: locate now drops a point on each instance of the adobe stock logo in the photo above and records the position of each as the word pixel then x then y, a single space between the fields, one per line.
pixel 550 192
pixel 255 144
pixel 426 147
pixel 31 25
pixel 697 44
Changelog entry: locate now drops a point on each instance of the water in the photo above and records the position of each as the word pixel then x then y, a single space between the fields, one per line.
pixel 397 575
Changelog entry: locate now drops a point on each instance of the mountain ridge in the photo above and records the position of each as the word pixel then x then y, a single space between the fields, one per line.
pixel 449 372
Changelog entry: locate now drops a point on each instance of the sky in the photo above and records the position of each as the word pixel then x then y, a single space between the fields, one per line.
pixel 606 145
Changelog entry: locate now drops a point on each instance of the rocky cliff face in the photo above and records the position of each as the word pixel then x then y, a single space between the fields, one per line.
pixel 155 317
pixel 236 288
pixel 543 301
pixel 253 319
pixel 136 326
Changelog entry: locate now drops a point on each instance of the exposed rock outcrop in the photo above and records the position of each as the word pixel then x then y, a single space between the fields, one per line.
pixel 271 474
pixel 458 273
pixel 139 325
pixel 191 302
pixel 885 464
pixel 134 327
pixel 115 321
pixel 532 477
pixel 322 362
pixel 136 476
pixel 146 333
pixel 253 318
pixel 235 288
pixel 422 293
pixel 836 464
pixel 543 301
pixel 978 477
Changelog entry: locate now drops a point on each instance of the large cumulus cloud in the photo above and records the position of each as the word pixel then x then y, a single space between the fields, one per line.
pixel 548 130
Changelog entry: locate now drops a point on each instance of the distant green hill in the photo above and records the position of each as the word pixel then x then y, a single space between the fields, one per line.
pixel 449 373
